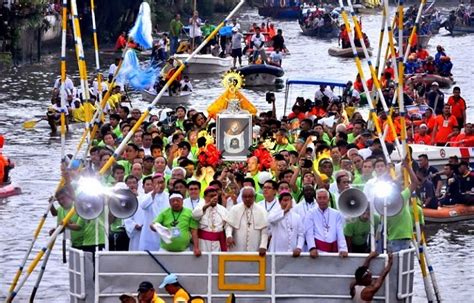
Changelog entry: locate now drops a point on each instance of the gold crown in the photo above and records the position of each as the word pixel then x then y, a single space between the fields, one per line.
pixel 233 80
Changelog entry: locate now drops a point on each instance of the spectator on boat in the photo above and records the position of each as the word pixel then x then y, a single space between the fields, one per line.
pixel 5 164
pixel 176 26
pixel 443 126
pixel 121 42
pixel 422 136
pixel 357 232
pixel 429 67
pixel 465 139
pixel 276 58
pixel 426 190
pixel 411 66
pixel 249 223
pixel 323 90
pixel 435 98
pixel 152 204
pixel 278 42
pixel 453 187
pixel 180 226
pixel 445 66
pixel 195 29
pixel 213 229
pixel 458 106
pixel 324 228
pixel 421 53
pixel 186 85
pixel 466 176
pixel 286 227
pixel 343 39
pixel 364 288
pixel 173 287
pixel 433 173
pixel 147 293
pixel 258 44
pixel 236 43
pixel 440 52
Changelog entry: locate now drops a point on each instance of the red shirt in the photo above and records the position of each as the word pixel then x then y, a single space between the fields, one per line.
pixel 444 127
pixel 457 107
pixel 422 54
pixel 358 85
pixel 419 139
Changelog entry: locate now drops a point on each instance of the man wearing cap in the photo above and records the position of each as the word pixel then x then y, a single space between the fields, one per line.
pixel 249 223
pixel 213 230
pixel 435 98
pixel 147 294
pixel 180 224
pixel 152 205
pixel 422 137
pixel 286 226
pixel 324 228
pixel 173 287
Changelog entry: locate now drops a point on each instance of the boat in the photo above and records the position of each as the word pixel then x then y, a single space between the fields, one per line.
pixel 449 213
pixel 180 98
pixel 460 29
pixel 261 74
pixel 55 125
pixel 347 52
pixel 205 64
pixel 277 277
pixel 280 12
pixel 439 155
pixel 325 32
pixel 421 40
pixel 9 190
pixel 427 79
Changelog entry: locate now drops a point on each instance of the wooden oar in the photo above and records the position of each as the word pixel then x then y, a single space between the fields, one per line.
pixel 32 123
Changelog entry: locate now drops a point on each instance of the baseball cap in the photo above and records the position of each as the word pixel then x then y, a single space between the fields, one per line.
pixel 169 279
pixel 366 133
pixel 435 83
pixel 144 286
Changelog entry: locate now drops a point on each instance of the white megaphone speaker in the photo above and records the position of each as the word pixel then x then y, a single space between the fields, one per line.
pixel 387 194
pixel 89 206
pixel 352 202
pixel 123 203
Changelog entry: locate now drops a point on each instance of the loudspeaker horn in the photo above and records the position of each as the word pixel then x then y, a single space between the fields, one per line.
pixel 352 202
pixel 123 203
pixel 394 203
pixel 89 206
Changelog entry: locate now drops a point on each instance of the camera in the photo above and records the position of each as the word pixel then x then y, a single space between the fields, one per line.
pixel 270 97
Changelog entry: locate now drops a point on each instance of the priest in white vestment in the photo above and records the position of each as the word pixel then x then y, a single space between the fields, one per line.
pixel 324 228
pixel 307 203
pixel 194 190
pixel 286 226
pixel 152 205
pixel 213 230
pixel 249 225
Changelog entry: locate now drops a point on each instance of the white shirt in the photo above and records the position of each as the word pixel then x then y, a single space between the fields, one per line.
pixel 68 85
pixel 304 207
pixel 365 152
pixel 192 203
pixel 184 83
pixel 195 28
pixel 112 69
pixel 327 92
pixel 326 226
pixel 133 233
pixel 258 42
pixel 287 230
pixel 211 220
pixel 152 207
pixel 276 57
pixel 237 40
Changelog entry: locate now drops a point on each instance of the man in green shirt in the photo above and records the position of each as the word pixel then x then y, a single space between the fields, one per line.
pixel 176 26
pixel 357 232
pixel 181 226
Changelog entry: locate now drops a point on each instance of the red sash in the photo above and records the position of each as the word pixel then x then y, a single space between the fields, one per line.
pixel 213 236
pixel 325 246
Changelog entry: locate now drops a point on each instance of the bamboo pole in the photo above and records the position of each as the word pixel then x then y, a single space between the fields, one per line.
pixel 68 216
pixel 382 34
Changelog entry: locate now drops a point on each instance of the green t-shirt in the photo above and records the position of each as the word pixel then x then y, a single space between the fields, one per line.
pixel 117 225
pixel 400 227
pixel 117 131
pixel 126 165
pixel 358 230
pixel 207 29
pixel 350 138
pixel 175 28
pixel 420 212
pixel 89 231
pixel 279 147
pixel 76 235
pixel 185 224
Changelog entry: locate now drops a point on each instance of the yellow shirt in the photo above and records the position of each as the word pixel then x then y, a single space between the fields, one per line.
pixel 180 296
pixel 78 114
pixel 114 100
pixel 157 299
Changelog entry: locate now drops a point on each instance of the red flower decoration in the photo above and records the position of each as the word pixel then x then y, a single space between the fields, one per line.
pixel 210 156
pixel 264 158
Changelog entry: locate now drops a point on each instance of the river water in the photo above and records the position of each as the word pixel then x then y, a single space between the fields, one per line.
pixel 24 93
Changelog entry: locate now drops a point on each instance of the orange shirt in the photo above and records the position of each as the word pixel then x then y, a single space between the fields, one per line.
pixel 390 136
pixel 430 122
pixel 468 141
pixel 444 128
pixel 422 54
pixel 358 85
pixel 457 107
pixel 318 112
pixel 419 139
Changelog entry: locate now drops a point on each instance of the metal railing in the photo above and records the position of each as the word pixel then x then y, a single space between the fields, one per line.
pixel 77 277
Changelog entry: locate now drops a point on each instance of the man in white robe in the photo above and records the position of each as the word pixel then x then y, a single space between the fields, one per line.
pixel 194 191
pixel 249 225
pixel 152 205
pixel 270 201
pixel 307 203
pixel 324 228
pixel 287 227
pixel 213 230
pixel 134 224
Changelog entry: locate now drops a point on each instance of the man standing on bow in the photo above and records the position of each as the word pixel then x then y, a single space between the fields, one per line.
pixel 324 228
pixel 213 230
pixel 249 224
